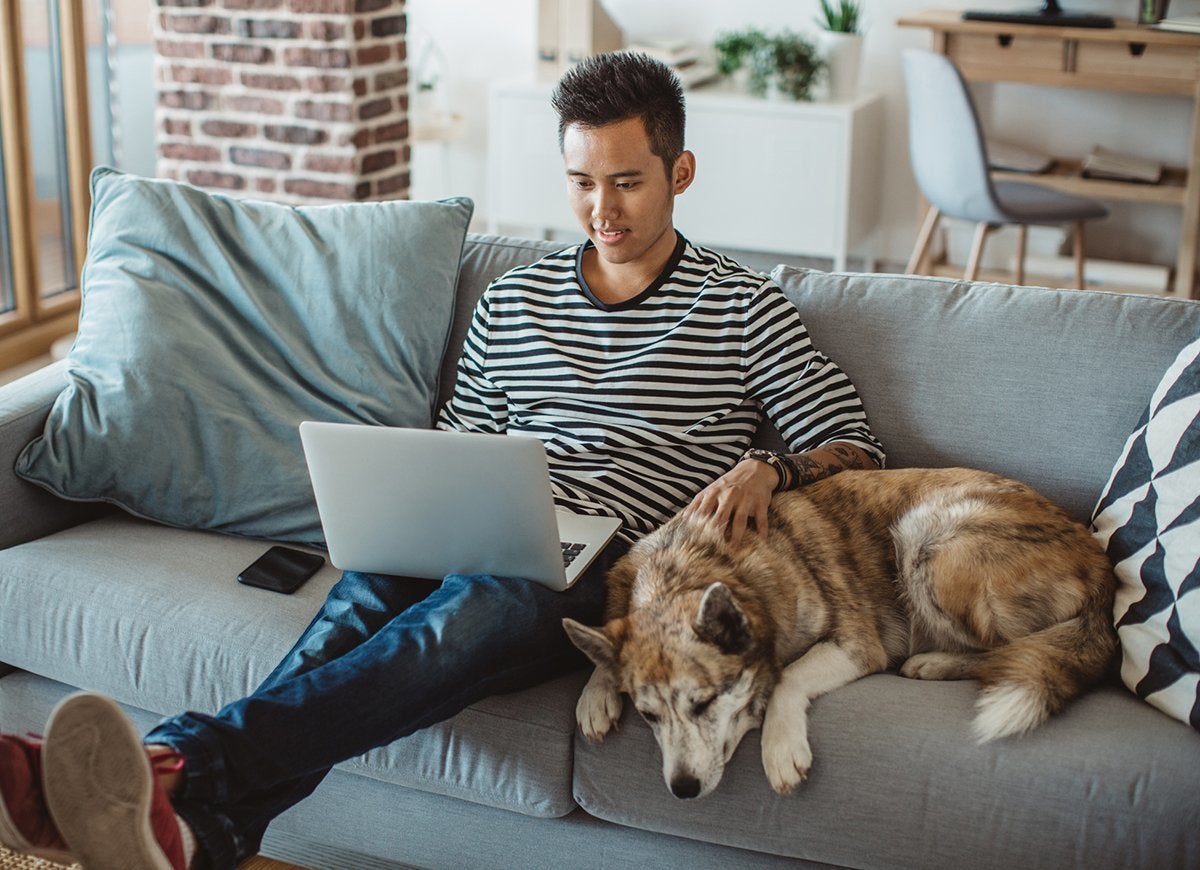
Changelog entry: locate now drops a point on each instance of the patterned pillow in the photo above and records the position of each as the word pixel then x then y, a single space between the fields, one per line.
pixel 1148 519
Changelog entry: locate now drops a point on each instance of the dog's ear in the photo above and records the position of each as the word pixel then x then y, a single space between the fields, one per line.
pixel 592 642
pixel 720 621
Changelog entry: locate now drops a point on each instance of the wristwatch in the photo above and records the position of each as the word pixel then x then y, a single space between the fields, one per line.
pixel 773 459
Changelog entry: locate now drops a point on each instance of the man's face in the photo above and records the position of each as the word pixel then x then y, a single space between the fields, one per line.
pixel 620 191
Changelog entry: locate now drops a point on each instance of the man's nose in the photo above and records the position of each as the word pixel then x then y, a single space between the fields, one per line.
pixel 604 204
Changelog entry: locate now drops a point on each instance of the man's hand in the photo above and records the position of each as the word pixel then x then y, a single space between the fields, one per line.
pixel 737 498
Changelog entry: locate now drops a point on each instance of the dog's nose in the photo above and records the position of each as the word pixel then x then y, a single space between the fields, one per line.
pixel 684 785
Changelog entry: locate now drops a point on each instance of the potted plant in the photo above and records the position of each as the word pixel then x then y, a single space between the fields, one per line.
pixel 785 63
pixel 840 16
pixel 841 45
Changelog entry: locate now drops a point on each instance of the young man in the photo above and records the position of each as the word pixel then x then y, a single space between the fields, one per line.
pixel 642 361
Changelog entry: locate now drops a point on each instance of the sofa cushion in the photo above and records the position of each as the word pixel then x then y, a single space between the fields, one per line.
pixel 899 781
pixel 155 617
pixel 1148 519
pixel 1041 385
pixel 210 327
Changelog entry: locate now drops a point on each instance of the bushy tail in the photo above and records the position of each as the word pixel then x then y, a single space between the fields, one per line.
pixel 1033 677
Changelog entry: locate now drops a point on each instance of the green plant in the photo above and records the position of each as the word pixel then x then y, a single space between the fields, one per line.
pixel 786 60
pixel 733 49
pixel 840 16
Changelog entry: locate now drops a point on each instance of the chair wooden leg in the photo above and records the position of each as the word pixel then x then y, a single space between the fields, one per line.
pixel 1022 235
pixel 1077 243
pixel 981 232
pixel 924 239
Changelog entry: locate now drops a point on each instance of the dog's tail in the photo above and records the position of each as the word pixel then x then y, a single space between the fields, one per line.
pixel 1035 676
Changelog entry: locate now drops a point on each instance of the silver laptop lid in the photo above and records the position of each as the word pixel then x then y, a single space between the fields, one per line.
pixel 427 503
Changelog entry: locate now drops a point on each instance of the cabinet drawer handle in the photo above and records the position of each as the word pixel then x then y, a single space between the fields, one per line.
pixel 1137 49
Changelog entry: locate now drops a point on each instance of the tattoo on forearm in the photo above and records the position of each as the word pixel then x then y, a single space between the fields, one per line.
pixel 838 457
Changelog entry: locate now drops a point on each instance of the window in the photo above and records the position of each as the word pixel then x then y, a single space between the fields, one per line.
pixel 46 155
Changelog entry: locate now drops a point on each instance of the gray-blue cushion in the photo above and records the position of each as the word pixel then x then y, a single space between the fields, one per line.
pixel 212 326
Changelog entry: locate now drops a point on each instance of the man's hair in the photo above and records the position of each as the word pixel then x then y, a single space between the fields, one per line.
pixel 613 87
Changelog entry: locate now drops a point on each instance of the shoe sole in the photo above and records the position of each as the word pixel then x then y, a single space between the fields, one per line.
pixel 99 785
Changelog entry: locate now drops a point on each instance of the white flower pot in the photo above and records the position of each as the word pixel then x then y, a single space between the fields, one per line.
pixel 842 53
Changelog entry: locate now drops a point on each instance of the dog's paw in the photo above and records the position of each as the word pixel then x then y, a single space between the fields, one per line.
pixel 598 708
pixel 786 762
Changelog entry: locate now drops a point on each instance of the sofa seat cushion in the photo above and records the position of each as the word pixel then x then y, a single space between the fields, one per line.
pixel 897 775
pixel 154 616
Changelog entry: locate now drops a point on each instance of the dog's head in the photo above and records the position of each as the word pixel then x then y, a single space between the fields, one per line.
pixel 695 673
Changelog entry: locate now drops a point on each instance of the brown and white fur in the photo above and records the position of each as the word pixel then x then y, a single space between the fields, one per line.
pixel 948 573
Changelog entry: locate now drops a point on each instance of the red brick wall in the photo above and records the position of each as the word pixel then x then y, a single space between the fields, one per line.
pixel 292 100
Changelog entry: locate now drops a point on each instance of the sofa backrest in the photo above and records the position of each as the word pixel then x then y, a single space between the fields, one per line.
pixel 1040 385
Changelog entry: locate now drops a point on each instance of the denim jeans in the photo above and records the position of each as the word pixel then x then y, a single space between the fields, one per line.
pixel 384 657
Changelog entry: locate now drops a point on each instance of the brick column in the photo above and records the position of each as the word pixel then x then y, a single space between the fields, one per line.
pixel 292 100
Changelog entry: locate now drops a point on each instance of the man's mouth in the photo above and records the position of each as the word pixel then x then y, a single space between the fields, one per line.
pixel 609 236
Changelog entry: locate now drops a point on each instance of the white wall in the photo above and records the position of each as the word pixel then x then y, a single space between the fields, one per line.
pixel 486 40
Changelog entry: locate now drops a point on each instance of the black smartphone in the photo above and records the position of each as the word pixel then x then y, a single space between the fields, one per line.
pixel 281 569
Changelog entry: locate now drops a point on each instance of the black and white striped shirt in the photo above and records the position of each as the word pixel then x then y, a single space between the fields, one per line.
pixel 644 403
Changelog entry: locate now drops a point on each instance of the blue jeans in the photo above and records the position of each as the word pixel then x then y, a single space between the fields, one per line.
pixel 383 658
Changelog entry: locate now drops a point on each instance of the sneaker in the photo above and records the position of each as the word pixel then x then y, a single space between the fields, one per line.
pixel 102 789
pixel 25 822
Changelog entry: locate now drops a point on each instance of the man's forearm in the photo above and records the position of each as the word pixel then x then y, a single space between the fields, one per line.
pixel 813 465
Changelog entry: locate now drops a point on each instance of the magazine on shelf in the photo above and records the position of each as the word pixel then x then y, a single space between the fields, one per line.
pixel 1104 163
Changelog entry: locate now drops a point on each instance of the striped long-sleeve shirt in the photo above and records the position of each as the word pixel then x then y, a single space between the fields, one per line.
pixel 644 403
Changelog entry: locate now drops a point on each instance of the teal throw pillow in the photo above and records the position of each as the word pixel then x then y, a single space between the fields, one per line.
pixel 211 326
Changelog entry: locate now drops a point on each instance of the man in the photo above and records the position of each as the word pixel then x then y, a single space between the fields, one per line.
pixel 644 364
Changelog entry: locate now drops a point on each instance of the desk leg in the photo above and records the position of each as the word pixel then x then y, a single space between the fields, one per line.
pixel 1189 233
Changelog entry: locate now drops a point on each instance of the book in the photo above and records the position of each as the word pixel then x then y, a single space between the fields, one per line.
pixel 1104 163
pixel 1181 23
pixel 1017 158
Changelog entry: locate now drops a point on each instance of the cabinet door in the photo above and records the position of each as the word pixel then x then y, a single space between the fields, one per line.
pixel 772 179
pixel 526 183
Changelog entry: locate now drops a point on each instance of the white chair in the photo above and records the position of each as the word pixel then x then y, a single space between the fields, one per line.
pixel 950 162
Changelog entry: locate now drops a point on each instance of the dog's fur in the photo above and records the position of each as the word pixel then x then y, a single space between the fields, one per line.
pixel 949 574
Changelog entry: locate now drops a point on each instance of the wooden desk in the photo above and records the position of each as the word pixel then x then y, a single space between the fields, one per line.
pixel 1127 58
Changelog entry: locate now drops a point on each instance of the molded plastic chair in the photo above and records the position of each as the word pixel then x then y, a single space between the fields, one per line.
pixel 950 162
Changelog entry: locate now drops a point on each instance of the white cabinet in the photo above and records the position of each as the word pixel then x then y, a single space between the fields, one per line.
pixel 771 175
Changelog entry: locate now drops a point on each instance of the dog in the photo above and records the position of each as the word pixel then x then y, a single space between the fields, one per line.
pixel 948 574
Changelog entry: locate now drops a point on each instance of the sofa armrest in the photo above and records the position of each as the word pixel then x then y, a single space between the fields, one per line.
pixel 28 512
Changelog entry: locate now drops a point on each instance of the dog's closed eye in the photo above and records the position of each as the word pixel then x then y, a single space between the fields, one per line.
pixel 699 707
pixel 649 716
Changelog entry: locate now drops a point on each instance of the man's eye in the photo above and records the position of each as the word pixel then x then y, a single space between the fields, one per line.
pixel 626 185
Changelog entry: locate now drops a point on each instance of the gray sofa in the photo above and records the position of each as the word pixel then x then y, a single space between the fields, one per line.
pixel 1041 385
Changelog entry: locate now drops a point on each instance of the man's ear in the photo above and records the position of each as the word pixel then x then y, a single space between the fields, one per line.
pixel 595 643
pixel 683 173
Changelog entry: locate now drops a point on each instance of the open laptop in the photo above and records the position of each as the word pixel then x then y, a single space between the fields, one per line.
pixel 427 503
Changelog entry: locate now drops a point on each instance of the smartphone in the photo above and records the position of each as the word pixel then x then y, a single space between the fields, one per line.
pixel 281 569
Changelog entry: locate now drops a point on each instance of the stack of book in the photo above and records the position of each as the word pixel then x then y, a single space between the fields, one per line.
pixel 1103 163
pixel 1181 23
pixel 684 59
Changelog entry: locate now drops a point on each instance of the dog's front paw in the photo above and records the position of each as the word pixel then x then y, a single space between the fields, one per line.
pixel 599 706
pixel 786 755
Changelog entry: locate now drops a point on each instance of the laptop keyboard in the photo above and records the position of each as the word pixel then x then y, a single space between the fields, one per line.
pixel 570 551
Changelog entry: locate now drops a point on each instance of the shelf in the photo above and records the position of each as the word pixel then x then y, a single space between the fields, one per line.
pixel 1066 177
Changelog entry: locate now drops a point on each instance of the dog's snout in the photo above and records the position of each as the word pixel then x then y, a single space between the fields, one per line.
pixel 684 785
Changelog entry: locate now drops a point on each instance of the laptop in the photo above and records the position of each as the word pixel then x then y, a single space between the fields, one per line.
pixel 427 503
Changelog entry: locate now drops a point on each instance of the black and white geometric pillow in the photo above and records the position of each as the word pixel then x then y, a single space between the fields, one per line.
pixel 1148 520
